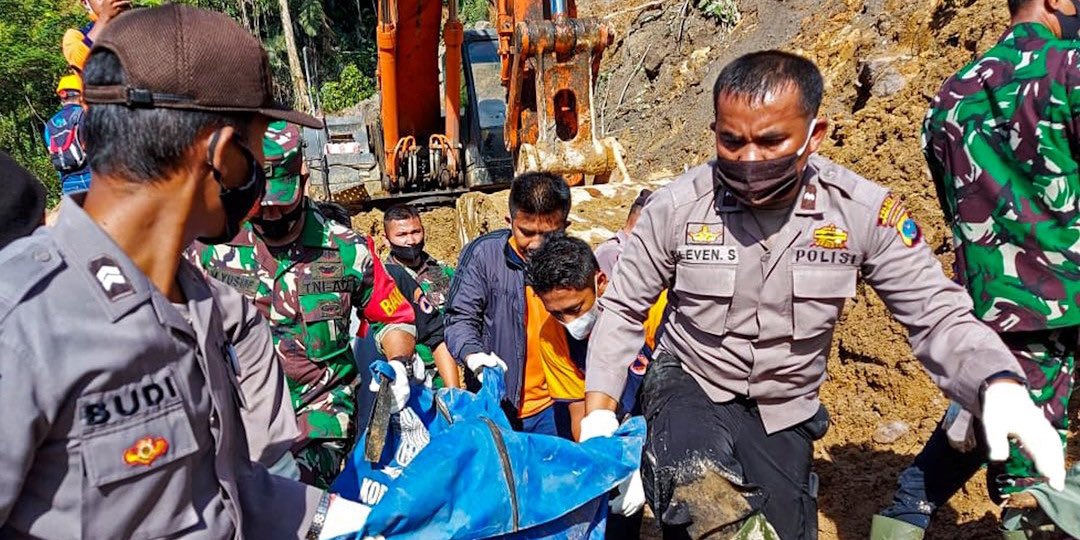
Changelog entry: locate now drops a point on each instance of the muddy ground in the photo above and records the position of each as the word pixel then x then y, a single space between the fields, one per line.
pixel 883 60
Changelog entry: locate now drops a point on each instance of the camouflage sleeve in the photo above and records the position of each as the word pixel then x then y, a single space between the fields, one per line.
pixel 382 306
pixel 957 350
pixel 933 133
pixel 1072 93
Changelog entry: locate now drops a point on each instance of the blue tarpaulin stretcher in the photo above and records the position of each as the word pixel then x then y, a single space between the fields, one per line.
pixel 453 468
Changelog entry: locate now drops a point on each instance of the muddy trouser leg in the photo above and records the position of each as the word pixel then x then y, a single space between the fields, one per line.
pixel 692 478
pixel 1047 358
pixel 937 473
pixel 780 464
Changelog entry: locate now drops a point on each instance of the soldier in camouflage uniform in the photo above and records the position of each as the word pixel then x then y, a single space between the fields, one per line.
pixel 1000 140
pixel 306 273
pixel 421 275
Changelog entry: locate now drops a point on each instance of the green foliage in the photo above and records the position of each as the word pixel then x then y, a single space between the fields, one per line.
pixel 311 17
pixel 473 11
pixel 30 66
pixel 726 12
pixel 336 37
pixel 351 87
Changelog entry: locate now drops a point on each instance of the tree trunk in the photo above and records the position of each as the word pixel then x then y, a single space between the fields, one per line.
pixel 244 16
pixel 300 94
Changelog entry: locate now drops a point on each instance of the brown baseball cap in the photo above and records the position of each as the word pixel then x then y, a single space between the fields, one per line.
pixel 181 57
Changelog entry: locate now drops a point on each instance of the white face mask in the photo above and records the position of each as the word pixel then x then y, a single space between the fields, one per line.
pixel 581 327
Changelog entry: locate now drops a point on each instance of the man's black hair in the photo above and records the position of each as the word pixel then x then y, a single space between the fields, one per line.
pixel 752 76
pixel 399 212
pixel 142 144
pixel 1016 5
pixel 562 262
pixel 540 194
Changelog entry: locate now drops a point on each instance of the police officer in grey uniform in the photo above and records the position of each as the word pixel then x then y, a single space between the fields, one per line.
pixel 118 364
pixel 760 249
pixel 268 415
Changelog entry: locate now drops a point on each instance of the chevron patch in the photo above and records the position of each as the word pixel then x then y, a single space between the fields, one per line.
pixel 111 277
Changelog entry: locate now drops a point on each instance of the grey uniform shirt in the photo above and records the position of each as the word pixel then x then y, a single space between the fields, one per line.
pixel 268 415
pixel 783 301
pixel 122 419
pixel 607 253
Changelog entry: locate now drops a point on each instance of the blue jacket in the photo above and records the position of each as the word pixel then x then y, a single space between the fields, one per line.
pixel 486 309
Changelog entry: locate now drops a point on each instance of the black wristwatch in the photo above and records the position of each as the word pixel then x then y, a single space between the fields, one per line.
pixel 319 519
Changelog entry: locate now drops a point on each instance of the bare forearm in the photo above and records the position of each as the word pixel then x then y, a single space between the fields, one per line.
pixel 447 367
pixel 107 10
pixel 599 400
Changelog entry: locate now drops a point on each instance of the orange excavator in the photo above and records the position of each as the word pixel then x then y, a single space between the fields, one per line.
pixel 527 85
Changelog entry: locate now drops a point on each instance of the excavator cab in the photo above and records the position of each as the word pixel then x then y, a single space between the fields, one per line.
pixel 487 160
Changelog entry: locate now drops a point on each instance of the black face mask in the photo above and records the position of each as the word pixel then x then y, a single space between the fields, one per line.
pixel 281 227
pixel 1070 24
pixel 407 254
pixel 239 203
pixel 764 183
pixel 759 184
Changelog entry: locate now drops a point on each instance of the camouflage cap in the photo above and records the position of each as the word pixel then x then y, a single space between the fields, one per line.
pixel 281 146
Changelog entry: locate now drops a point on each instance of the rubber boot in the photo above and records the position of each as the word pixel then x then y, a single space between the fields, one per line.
pixel 1013 535
pixel 887 528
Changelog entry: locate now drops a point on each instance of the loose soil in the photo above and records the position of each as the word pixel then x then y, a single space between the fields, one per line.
pixel 883 60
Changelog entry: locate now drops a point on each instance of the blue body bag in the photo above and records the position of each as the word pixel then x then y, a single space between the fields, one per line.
pixel 453 468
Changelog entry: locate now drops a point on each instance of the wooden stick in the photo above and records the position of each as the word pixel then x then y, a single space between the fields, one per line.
pixel 646 5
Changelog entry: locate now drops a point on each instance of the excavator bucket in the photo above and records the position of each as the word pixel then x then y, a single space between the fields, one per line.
pixel 597 158
pixel 551 120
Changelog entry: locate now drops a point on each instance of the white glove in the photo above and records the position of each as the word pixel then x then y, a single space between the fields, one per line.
pixel 478 361
pixel 1009 411
pixel 599 423
pixel 631 497
pixel 401 386
pixel 343 517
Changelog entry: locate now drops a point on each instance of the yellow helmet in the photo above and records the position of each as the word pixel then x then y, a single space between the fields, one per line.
pixel 69 83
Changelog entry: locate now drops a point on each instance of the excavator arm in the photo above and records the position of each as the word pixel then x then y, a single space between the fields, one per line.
pixel 408 44
pixel 549 60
